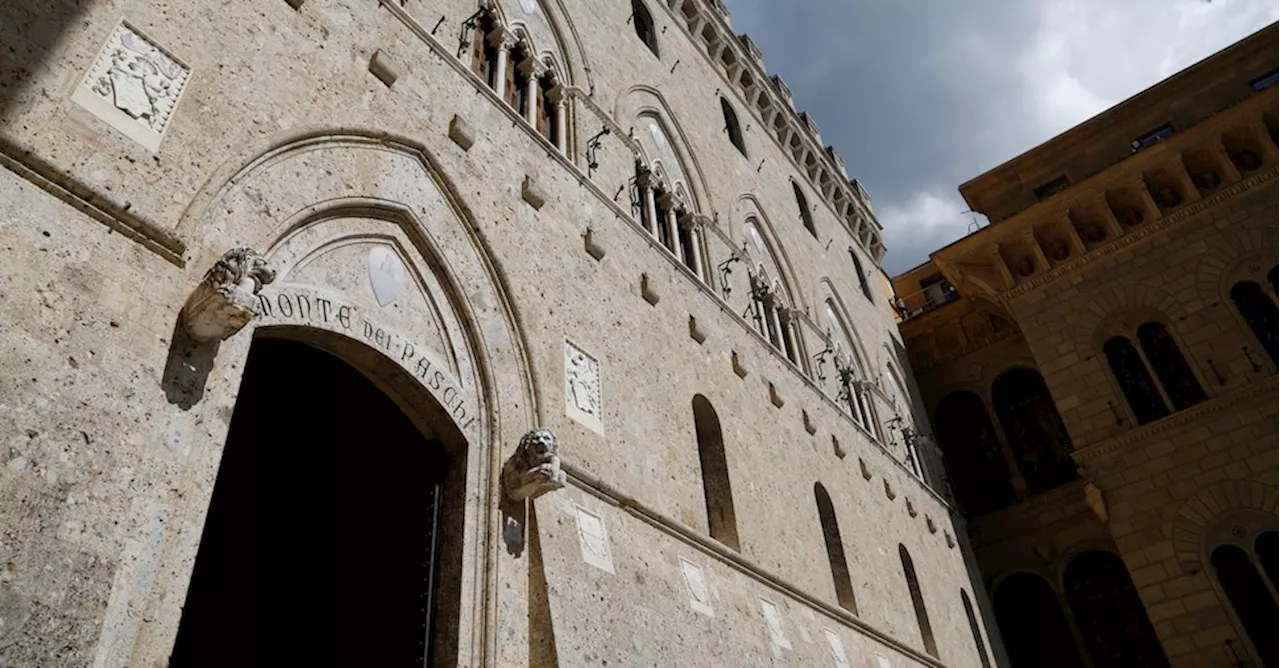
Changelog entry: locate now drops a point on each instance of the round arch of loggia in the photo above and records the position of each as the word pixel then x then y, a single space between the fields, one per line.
pixel 441 338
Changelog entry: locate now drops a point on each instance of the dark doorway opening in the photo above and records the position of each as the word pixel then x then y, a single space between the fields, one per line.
pixel 1035 631
pixel 320 544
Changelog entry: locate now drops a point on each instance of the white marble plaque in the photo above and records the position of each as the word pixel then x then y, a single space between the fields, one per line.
pixel 133 85
pixel 773 619
pixel 837 648
pixel 594 539
pixel 386 274
pixel 695 583
pixel 583 399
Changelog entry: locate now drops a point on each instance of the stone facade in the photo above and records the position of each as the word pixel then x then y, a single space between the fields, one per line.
pixel 740 439
pixel 1100 366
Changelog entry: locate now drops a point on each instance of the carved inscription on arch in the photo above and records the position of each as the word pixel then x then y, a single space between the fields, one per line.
pixel 300 306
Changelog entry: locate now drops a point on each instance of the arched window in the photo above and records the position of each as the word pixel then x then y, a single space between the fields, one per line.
pixel 1258 311
pixel 1135 381
pixel 1170 366
pixel 835 549
pixel 806 216
pixel 862 275
pixel 900 399
pixel 731 126
pixel 847 381
pixel 1111 617
pixel 721 521
pixel 1034 429
pixel 1265 548
pixel 1031 622
pixel 1249 597
pixel 975 629
pixel 978 472
pixel 917 601
pixel 642 21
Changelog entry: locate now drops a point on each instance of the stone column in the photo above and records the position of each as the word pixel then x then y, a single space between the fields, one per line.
pixel 503 40
pixel 1179 169
pixel 690 222
pixel 556 96
pixel 1150 210
pixel 789 335
pixel 1265 142
pixel 650 207
pixel 673 229
pixel 1229 172
pixel 775 326
pixel 533 70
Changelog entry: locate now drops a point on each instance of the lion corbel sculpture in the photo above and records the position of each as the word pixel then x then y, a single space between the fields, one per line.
pixel 534 469
pixel 225 301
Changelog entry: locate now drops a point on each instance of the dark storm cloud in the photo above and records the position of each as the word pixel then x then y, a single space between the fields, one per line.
pixel 919 97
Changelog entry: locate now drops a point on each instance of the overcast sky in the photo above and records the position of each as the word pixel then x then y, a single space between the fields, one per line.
pixel 919 96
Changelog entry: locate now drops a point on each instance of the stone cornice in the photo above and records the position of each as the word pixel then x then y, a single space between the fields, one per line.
pixel 1176 218
pixel 1180 419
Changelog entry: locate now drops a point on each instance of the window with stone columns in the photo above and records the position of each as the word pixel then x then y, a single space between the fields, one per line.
pixel 668 216
pixel 1258 310
pixel 1240 552
pixel 841 371
pixel 662 197
pixel 1151 371
pixel 769 299
pixel 526 79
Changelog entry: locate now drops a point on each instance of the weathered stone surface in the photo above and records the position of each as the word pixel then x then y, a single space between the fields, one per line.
pixel 112 432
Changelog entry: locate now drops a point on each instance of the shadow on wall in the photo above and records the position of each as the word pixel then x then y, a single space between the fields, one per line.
pixel 30 32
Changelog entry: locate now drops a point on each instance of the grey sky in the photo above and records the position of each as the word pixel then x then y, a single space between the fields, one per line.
pixel 921 95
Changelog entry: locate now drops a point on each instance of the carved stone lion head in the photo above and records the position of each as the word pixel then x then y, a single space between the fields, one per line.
pixel 239 265
pixel 538 446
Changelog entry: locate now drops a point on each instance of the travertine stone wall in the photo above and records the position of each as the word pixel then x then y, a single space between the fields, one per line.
pixel 282 139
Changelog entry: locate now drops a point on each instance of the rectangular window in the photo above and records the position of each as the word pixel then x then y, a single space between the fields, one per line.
pixel 1265 81
pixel 1152 138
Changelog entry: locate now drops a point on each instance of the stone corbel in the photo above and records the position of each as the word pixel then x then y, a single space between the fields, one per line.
pixel 534 468
pixel 226 300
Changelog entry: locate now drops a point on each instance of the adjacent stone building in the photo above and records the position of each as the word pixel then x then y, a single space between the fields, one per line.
pixel 512 333
pixel 1099 364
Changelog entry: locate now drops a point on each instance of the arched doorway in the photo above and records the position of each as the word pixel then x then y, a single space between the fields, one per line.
pixel 1035 631
pixel 329 539
pixel 1035 431
pixel 1109 613
pixel 972 450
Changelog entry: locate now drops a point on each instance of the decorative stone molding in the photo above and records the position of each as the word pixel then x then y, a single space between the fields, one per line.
pixel 862 468
pixel 1094 498
pixel 888 490
pixel 461 133
pixel 775 397
pixel 226 300
pixel 739 369
pixel 296 4
pixel 134 86
pixel 1183 214
pixel 839 449
pixel 928 521
pixel 911 508
pixel 1124 441
pixel 534 468
pixel 951 542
